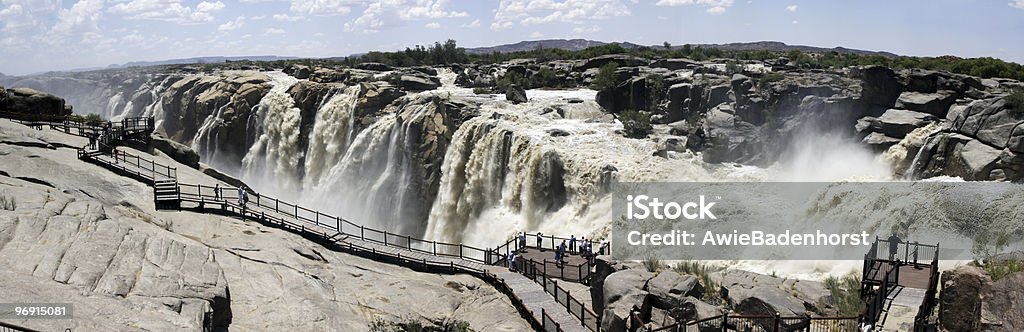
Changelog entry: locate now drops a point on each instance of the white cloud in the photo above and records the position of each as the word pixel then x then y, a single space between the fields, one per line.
pixel 796 22
pixel 536 34
pixel 210 6
pixel 792 8
pixel 81 17
pixel 232 25
pixel 432 25
pixel 273 31
pixel 529 12
pixel 166 10
pixel 1017 4
pixel 287 18
pixel 474 24
pixel 323 7
pixel 389 13
pixel 714 7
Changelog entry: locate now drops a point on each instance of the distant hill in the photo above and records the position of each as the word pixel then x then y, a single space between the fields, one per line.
pixel 579 44
pixel 209 59
pixel 565 44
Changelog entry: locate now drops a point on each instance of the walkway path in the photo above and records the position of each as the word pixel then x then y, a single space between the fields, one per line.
pixel 532 299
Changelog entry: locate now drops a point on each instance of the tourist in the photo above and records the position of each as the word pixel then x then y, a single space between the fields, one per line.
pixel 216 191
pixel 603 248
pixel 894 246
pixel 522 241
pixel 583 241
pixel 572 243
pixel 511 261
pixel 540 240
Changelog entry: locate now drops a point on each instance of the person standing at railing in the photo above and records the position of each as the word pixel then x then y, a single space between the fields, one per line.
pixel 894 246
pixel 558 255
pixel 540 241
pixel 522 241
pixel 572 243
pixel 216 190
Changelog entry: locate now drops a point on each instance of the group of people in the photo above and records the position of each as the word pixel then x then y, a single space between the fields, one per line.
pixel 583 246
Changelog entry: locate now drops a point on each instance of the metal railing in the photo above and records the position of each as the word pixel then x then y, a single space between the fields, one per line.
pixel 766 323
pixel 304 219
pixel 587 317
pixel 930 301
pixel 7 327
pixel 904 252
pixel 548 324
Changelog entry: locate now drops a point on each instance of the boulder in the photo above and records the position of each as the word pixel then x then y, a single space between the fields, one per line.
pixel 418 82
pixel 29 101
pixel 177 151
pixel 936 104
pixel 978 160
pixel 214 173
pixel 621 60
pixel 674 64
pixel 374 96
pixel 301 72
pixel 1004 303
pixel 672 288
pixel 879 142
pixel 879 86
pixel 960 300
pixel 622 283
pixel 992 122
pixel 898 123
pixel 373 66
pixel 515 94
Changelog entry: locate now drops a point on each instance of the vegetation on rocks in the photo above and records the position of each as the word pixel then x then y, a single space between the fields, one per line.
pixel 845 294
pixel 381 325
pixel 7 203
pixel 1016 99
pixel 703 273
pixel 636 124
pixel 89 119
pixel 605 78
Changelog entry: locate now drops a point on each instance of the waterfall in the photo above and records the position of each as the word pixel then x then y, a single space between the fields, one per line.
pixel 272 161
pixel 332 131
pixel 373 182
pixel 204 143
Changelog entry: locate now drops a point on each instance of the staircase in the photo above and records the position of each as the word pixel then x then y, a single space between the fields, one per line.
pixel 166 194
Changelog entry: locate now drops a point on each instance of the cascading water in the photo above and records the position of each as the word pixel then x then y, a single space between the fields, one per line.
pixel 332 132
pixel 272 161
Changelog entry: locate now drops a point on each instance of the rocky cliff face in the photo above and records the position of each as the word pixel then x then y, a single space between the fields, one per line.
pixel 313 133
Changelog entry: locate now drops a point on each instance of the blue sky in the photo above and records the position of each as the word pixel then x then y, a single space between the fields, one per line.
pixel 42 35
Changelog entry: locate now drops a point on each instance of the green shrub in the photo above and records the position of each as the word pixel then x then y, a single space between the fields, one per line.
pixel 652 264
pixel 605 78
pixel 481 91
pixel 511 78
pixel 544 78
pixel 845 294
pixel 703 273
pixel 657 91
pixel 1016 100
pixel 89 119
pixel 379 325
pixel 769 78
pixel 7 203
pixel 636 124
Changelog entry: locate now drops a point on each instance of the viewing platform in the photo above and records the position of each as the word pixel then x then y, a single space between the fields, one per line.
pixel 900 278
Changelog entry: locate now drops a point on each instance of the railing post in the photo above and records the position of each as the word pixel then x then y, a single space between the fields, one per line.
pixel 460 250
pixel 338 221
pixel 362 233
pixel 385 238
pixel 435 247
pixel 408 241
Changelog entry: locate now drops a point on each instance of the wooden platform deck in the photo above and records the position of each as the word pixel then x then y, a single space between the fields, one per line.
pixel 575 268
pixel 911 276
